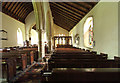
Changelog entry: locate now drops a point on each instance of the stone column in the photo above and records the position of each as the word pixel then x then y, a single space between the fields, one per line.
pixel 38 17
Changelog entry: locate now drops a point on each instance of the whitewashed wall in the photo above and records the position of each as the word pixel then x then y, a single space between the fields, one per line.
pixel 11 25
pixel 105 15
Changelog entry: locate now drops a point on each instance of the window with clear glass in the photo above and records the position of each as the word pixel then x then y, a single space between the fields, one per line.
pixel 19 37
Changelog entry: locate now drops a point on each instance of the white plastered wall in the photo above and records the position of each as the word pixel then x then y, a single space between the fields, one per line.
pixel 11 25
pixel 105 15
pixel 58 30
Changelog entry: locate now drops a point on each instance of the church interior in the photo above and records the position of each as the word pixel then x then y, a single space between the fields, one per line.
pixel 59 41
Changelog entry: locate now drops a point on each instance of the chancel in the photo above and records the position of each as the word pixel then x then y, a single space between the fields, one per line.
pixel 59 41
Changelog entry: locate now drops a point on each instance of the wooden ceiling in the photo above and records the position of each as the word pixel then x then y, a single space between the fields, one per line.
pixel 65 14
pixel 68 14
pixel 17 10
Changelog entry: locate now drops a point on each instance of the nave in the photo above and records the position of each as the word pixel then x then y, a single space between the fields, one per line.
pixel 64 64
pixel 59 41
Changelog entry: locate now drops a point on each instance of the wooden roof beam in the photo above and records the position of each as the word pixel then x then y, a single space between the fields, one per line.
pixel 64 20
pixel 77 7
pixel 10 14
pixel 72 8
pixel 22 9
pixel 64 8
pixel 62 26
pixel 84 4
pixel 66 23
pixel 70 13
pixel 9 3
pixel 91 3
pixel 27 6
pixel 66 16
pixel 14 7
pixel 11 6
pixel 17 8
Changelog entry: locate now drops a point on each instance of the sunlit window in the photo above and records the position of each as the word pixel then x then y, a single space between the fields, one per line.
pixel 19 37
pixel 88 32
pixel 34 37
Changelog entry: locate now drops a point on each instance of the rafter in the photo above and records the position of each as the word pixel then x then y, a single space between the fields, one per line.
pixel 17 8
pixel 66 11
pixel 64 20
pixel 78 7
pixel 10 14
pixel 72 8
pixel 65 15
pixel 62 25
pixel 9 3
pixel 83 4
pixel 70 11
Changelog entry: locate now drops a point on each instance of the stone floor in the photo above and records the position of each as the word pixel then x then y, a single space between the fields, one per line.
pixel 32 76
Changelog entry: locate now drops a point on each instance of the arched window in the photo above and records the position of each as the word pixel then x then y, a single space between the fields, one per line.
pixel 34 37
pixel 19 37
pixel 88 32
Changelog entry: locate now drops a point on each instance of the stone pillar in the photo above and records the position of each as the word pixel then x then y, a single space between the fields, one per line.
pixel 48 29
pixel 38 17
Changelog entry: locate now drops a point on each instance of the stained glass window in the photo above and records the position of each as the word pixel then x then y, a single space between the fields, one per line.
pixel 88 32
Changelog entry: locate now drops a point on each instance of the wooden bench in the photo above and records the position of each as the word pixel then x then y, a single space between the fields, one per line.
pixel 82 63
pixel 117 58
pixel 84 75
pixel 78 56
pixel 20 61
pixel 11 69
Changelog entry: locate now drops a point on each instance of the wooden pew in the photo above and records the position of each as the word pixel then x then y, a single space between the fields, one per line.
pixel 78 56
pixel 32 56
pixel 82 63
pixel 11 69
pixel 84 75
pixel 24 61
pixel 117 58
pixel 20 61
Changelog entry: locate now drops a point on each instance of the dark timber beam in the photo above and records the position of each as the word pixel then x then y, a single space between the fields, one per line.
pixel 66 14
pixel 13 9
pixel 67 10
pixel 72 8
pixel 83 4
pixel 66 22
pixel 9 3
pixel 21 10
pixel 10 14
pixel 77 7
pixel 26 10
pixel 10 8
pixel 17 10
pixel 61 25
